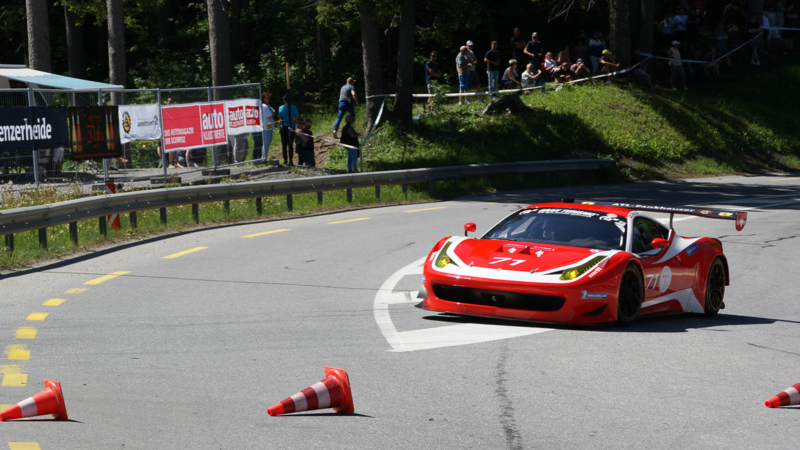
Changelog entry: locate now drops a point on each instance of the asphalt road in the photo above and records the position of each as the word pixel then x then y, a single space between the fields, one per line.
pixel 189 352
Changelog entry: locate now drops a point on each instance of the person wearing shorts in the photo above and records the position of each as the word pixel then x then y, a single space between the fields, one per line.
pixel 474 81
pixel 462 66
pixel 676 65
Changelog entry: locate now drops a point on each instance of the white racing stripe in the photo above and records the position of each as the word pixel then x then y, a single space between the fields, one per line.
pixel 299 402
pixel 435 337
pixel 322 394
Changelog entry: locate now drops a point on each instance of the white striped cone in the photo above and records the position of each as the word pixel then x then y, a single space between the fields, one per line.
pixel 332 392
pixel 790 396
pixel 112 219
pixel 49 401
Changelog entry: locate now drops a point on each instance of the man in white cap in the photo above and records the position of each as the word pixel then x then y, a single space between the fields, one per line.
pixel 474 81
pixel 676 66
pixel 462 66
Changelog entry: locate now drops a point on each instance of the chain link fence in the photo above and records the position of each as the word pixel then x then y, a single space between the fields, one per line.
pixel 140 161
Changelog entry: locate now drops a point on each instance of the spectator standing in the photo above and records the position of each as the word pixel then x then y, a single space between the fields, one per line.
pixel 510 78
pixel 347 97
pixel 665 31
pixel 260 146
pixel 534 50
pixel 712 65
pixel 693 30
pixel 305 144
pixel 791 22
pixel 756 41
pixel 432 72
pixel 350 137
pixel 596 47
pixel 676 65
pixel 474 81
pixel 679 23
pixel 579 69
pixel 517 46
pixel 287 113
pixel 721 41
pixel 581 51
pixel 780 17
pixel 563 56
pixel 492 60
pixel 462 66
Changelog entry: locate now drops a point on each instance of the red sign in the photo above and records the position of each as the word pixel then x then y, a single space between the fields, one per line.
pixel 194 125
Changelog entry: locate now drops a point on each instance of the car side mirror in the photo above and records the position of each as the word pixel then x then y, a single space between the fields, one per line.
pixel 659 243
pixel 469 228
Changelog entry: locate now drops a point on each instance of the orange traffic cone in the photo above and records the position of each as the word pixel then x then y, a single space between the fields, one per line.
pixel 332 392
pixel 49 401
pixel 790 396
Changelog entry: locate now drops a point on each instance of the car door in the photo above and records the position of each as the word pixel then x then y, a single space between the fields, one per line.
pixel 662 277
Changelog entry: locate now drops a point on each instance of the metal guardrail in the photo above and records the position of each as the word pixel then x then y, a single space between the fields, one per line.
pixel 70 212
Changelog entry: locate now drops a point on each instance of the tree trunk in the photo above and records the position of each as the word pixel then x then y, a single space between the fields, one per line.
pixel 620 22
pixel 76 54
pixel 237 32
pixel 116 47
pixel 165 28
pixel 511 103
pixel 220 45
pixel 371 51
pixel 647 26
pixel 635 13
pixel 38 35
pixel 320 73
pixel 404 100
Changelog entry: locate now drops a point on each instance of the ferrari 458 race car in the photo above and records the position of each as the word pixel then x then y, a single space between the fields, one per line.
pixel 579 263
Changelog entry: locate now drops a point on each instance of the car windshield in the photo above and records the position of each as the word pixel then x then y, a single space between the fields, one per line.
pixel 563 226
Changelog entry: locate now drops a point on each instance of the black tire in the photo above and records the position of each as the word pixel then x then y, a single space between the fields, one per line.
pixel 631 294
pixel 715 288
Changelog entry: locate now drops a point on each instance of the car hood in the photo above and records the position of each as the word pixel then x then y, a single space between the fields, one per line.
pixel 515 261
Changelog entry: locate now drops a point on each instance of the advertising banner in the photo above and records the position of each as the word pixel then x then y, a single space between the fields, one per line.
pixel 243 116
pixel 33 128
pixel 94 132
pixel 193 125
pixel 139 123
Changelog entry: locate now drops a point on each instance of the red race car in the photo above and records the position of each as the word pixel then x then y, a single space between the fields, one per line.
pixel 579 263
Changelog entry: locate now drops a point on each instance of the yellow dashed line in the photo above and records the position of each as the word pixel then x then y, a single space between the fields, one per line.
pixel 18 352
pixel 185 252
pixel 37 316
pixel 75 291
pixel 346 221
pixel 425 209
pixel 25 333
pixel 54 302
pixel 23 446
pixel 105 278
pixel 12 376
pixel 264 232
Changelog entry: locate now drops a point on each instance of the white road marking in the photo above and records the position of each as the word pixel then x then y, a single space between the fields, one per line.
pixel 435 337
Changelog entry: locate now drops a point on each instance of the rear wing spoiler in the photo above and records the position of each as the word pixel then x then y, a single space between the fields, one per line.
pixel 739 216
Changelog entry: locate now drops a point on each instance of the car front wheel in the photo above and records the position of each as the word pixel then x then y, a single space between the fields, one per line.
pixel 631 293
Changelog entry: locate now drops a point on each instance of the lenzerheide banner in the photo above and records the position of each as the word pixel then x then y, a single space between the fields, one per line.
pixel 193 125
pixel 139 123
pixel 33 128
pixel 243 116
pixel 94 132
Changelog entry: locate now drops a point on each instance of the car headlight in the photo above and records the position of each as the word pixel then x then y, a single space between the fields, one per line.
pixel 443 260
pixel 575 272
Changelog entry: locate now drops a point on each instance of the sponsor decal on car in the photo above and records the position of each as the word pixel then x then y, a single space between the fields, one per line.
pixel 594 295
pixel 595 272
pixel 691 249
pixel 705 211
pixel 568 212
pixel 539 254
pixel 659 280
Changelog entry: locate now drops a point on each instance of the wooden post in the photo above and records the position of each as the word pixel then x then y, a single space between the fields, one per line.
pixel 289 205
pixel 288 86
pixel 227 205
pixel 73 232
pixel 349 195
pixel 196 212
pixel 430 188
pixel 319 197
pixel 405 190
pixel 134 224
pixel 10 242
pixel 163 212
pixel 378 192
pixel 103 227
pixel 259 206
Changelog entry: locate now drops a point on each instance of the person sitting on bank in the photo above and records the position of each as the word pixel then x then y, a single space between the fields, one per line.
pixel 350 137
pixel 510 76
pixel 580 70
pixel 305 144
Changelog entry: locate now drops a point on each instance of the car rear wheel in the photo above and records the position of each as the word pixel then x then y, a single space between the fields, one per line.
pixel 715 288
pixel 631 293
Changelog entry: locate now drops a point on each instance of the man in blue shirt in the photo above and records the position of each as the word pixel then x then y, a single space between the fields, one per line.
pixel 287 114
pixel 347 97
pixel 492 60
